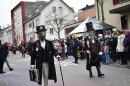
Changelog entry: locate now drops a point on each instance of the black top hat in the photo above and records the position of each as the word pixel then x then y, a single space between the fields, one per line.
pixel 89 26
pixel 40 28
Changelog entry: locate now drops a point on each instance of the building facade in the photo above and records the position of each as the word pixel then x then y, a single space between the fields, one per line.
pixel 40 18
pixel 116 13
pixel 19 14
pixel 88 11
pixel 6 35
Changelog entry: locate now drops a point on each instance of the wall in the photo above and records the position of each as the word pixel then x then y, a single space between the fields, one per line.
pixel 112 19
pixel 87 13
pixel 56 3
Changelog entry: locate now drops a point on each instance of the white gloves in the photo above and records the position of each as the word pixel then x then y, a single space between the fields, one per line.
pixel 88 51
pixel 32 66
pixel 58 57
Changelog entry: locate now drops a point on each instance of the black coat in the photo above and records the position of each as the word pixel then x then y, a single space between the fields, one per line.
pixel 36 55
pixel 95 59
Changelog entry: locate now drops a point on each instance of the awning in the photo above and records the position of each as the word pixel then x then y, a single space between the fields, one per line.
pixel 96 24
pixel 120 9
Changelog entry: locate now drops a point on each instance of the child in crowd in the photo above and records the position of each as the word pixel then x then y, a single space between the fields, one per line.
pixel 107 51
pixel 66 50
pixel 59 49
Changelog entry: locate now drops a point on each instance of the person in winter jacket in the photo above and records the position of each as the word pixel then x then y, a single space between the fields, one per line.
pixel 126 43
pixel 120 49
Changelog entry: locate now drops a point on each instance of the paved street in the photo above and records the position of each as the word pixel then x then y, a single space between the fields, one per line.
pixel 74 75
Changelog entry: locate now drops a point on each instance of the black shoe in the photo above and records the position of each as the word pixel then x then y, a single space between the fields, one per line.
pixel 1 72
pixel 11 69
pixel 76 62
pixel 100 75
pixel 91 75
pixel 73 62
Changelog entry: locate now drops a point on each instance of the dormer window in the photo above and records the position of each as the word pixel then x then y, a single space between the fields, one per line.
pixel 53 9
pixel 60 9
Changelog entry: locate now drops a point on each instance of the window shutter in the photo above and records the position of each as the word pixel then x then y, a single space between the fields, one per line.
pixel 115 2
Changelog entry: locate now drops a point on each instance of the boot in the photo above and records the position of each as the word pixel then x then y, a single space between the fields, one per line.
pixel 1 71
pixel 91 74
pixel 99 72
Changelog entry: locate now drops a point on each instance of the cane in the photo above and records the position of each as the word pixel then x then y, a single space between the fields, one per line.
pixel 61 73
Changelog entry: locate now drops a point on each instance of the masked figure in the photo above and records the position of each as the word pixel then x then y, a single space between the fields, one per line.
pixel 93 58
pixel 42 57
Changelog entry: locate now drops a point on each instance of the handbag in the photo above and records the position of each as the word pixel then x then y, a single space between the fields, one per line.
pixel 33 73
pixel 126 48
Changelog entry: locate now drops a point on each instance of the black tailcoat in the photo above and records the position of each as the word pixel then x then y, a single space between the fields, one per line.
pixel 95 59
pixel 37 56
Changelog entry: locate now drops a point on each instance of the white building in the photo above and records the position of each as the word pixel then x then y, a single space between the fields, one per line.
pixel 40 18
pixel 9 35
pixel 6 34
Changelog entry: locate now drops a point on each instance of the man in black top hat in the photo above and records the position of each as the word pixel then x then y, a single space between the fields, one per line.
pixel 2 58
pixel 93 59
pixel 42 54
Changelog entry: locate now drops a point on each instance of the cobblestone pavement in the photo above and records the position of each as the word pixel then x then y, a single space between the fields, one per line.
pixel 74 74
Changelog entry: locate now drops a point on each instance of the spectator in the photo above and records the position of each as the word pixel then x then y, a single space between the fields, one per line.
pixel 74 47
pixel 30 46
pixel 120 49
pixel 66 50
pixel 23 51
pixel 6 54
pixel 107 51
pixel 126 44
pixel 59 49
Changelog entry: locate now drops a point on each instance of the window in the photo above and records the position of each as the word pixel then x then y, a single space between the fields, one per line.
pixel 30 25
pixel 26 27
pixel 123 0
pixel 55 21
pixel 53 9
pixel 124 22
pixel 37 22
pixel 33 24
pixel 51 30
pixel 60 9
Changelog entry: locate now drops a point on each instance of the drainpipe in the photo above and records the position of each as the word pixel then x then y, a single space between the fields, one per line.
pixel 98 9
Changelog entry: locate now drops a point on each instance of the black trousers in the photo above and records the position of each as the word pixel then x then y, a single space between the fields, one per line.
pixel 82 55
pixel 74 50
pixel 123 57
pixel 1 64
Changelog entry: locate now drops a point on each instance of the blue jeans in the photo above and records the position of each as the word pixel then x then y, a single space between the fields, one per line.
pixel 7 63
pixel 107 58
pixel 63 53
pixel 68 50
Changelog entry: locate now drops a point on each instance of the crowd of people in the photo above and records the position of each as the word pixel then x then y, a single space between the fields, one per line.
pixel 111 49
pixel 114 49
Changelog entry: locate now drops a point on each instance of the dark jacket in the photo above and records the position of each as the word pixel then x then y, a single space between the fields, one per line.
pixel 94 60
pixel 30 48
pixel 37 55
pixel 74 44
pixel 2 53
pixel 127 40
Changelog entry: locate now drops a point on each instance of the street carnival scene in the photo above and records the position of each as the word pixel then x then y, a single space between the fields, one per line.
pixel 65 43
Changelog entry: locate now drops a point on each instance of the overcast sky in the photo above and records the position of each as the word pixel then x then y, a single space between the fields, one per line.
pixel 7 5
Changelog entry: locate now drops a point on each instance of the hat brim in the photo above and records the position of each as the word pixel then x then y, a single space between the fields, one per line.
pixel 41 31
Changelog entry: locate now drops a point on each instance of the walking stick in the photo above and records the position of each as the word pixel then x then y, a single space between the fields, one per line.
pixel 61 72
pixel 89 64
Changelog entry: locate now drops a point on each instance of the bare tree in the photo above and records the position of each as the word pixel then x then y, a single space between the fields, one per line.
pixel 58 20
pixel 101 3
